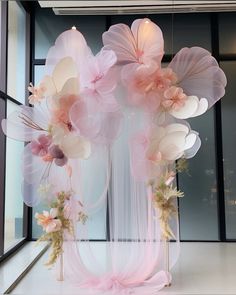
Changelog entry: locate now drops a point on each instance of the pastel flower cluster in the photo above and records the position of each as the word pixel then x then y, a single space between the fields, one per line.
pixel 59 221
pixel 186 88
pixel 74 110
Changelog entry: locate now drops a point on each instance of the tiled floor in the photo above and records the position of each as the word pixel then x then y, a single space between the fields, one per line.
pixel 203 268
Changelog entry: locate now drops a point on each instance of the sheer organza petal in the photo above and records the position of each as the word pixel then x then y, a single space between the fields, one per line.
pixel 120 39
pixel 70 43
pixel 85 123
pixel 188 110
pixel 190 140
pixel 30 195
pixel 149 39
pixel 106 59
pixel 64 70
pixel 71 86
pixel 191 152
pixel 19 124
pixel 108 83
pixel 142 43
pixel 176 139
pixel 75 147
pixel 98 127
pixel 177 127
pixel 199 74
pixel 34 168
pixel 108 102
pixel 202 107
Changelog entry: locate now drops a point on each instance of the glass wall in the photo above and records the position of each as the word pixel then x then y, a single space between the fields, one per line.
pixel 227 40
pixel 13 60
pixel 229 144
pixel 13 196
pixel 199 207
pixel 16 52
pixel 199 219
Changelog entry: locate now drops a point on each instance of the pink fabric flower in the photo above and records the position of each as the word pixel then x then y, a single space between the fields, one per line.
pixel 37 93
pixel 199 74
pixel 60 111
pixel 158 146
pixel 48 220
pixel 174 98
pixel 146 85
pixel 40 146
pixel 57 154
pixel 98 81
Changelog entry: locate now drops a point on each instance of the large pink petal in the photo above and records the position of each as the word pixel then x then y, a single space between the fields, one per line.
pixel 108 103
pixel 94 71
pixel 86 123
pixel 191 152
pixel 149 40
pixel 70 43
pixel 120 39
pixel 199 74
pixel 98 127
pixel 106 59
pixel 143 43
pixel 33 167
pixel 108 82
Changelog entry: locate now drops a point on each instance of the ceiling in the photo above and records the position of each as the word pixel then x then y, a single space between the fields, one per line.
pixel 94 7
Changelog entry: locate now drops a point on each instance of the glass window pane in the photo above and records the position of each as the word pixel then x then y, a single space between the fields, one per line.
pixel 39 73
pixel 13 196
pixel 48 26
pixel 227 32
pixel 191 30
pixel 229 143
pixel 198 208
pixel 16 55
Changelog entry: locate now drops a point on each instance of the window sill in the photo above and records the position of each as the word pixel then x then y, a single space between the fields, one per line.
pixel 14 269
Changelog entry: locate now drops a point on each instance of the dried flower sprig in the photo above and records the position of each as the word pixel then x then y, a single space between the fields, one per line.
pixel 164 195
pixel 182 166
pixel 56 222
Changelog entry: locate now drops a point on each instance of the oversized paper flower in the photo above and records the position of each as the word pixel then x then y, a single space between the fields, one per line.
pixel 195 74
pixel 70 43
pixel 99 127
pixel 199 75
pixel 160 145
pixel 142 44
pixel 37 93
pixel 49 221
pixel 53 142
pixel 98 81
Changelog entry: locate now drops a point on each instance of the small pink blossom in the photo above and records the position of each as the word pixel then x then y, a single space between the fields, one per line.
pixel 174 98
pixel 49 221
pixel 146 84
pixel 60 111
pixel 40 146
pixel 37 93
pixel 164 78
pixel 57 154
